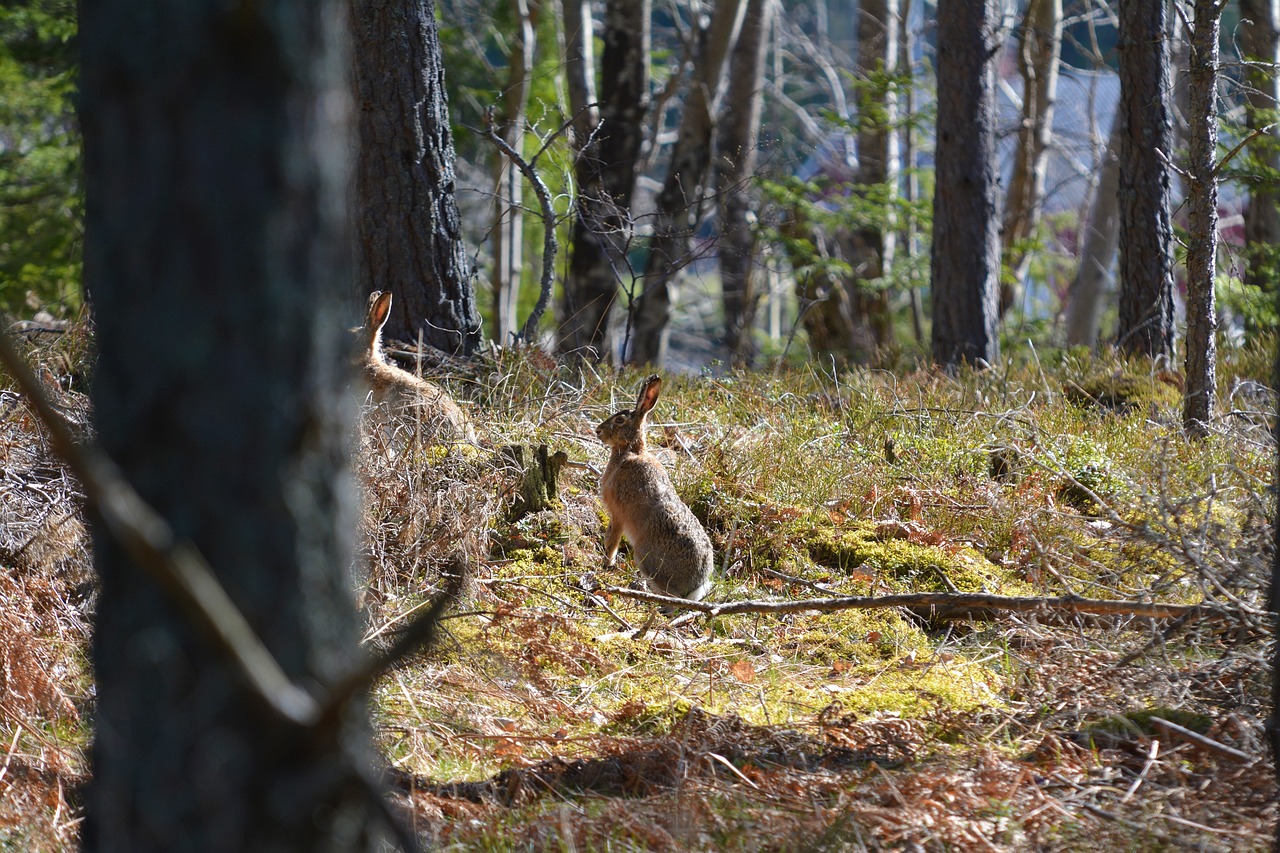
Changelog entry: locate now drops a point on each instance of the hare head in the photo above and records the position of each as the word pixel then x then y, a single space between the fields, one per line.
pixel 624 431
pixel 375 318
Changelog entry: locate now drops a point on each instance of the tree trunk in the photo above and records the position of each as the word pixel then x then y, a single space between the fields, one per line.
pixel 1038 52
pixel 606 173
pixel 1093 281
pixel 580 69
pixel 1146 144
pixel 966 235
pixel 508 226
pixel 217 251
pixel 871 249
pixel 679 205
pixel 1202 239
pixel 1259 35
pixel 736 146
pixel 409 233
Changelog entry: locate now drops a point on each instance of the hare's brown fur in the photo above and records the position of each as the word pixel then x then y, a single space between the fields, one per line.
pixel 670 546
pixel 397 389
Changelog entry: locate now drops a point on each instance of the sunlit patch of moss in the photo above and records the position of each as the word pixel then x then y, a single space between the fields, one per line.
pixel 1123 391
pixel 879 561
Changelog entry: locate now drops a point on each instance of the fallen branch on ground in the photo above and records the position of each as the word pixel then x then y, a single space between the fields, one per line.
pixel 938 605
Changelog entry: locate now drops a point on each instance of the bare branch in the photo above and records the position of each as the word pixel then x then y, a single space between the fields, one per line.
pixel 940 605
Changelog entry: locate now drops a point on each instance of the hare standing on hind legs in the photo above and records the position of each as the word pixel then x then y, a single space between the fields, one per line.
pixel 669 544
pixel 398 389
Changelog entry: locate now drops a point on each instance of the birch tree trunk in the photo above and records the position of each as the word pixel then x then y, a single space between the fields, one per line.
pixel 965 259
pixel 508 226
pixel 1038 53
pixel 736 149
pixel 1259 35
pixel 1146 146
pixel 1088 294
pixel 409 233
pixel 1202 239
pixel 679 204
pixel 606 178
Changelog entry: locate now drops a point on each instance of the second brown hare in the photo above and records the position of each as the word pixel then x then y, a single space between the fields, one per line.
pixel 670 546
pixel 396 389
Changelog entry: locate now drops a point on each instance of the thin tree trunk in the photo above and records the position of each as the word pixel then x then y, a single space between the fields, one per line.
pixel 679 204
pixel 965 260
pixel 1202 241
pixel 736 158
pixel 217 250
pixel 580 69
pixel 1038 53
pixel 1146 144
pixel 606 173
pixel 409 233
pixel 508 226
pixel 1087 296
pixel 1259 35
pixel 871 249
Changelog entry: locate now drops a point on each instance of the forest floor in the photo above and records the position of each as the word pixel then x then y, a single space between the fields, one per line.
pixel 557 712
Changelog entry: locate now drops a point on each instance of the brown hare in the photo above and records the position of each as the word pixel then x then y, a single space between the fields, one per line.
pixel 669 544
pixel 397 389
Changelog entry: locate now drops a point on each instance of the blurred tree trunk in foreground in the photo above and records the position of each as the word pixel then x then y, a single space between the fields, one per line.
pixel 679 204
pixel 218 254
pixel 1088 294
pixel 409 233
pixel 736 150
pixel 1038 51
pixel 606 177
pixel 1259 35
pixel 1146 143
pixel 966 234
pixel 1202 236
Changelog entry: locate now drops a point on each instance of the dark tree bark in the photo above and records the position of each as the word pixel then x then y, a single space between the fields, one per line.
pixel 1202 239
pixel 679 204
pixel 409 233
pixel 1259 35
pixel 737 144
pixel 606 173
pixel 966 229
pixel 217 251
pixel 1146 146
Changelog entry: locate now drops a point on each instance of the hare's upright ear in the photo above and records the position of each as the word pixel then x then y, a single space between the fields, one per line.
pixel 379 308
pixel 648 394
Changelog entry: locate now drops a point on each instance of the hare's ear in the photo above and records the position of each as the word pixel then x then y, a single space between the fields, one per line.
pixel 648 395
pixel 379 308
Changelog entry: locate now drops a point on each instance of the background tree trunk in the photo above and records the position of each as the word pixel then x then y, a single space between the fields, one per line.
pixel 1038 52
pixel 966 235
pixel 1146 146
pixel 606 176
pixel 1202 239
pixel 679 205
pixel 736 150
pixel 508 225
pixel 1093 281
pixel 1259 35
pixel 409 234
pixel 217 251
pixel 870 250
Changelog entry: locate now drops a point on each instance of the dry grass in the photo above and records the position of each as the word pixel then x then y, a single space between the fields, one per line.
pixel 540 722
